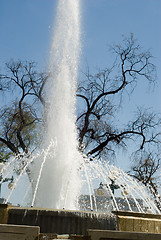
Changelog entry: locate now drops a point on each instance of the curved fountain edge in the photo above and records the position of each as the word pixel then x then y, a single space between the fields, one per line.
pixel 78 222
pixel 58 221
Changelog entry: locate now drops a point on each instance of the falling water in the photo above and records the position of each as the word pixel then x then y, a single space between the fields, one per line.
pixel 54 185
pixel 53 180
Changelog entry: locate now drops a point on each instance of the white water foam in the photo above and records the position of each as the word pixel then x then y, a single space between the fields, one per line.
pixel 54 185
pixel 58 172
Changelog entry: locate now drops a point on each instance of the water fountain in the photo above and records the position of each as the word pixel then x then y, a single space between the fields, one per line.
pixel 104 188
pixel 64 178
pixel 61 91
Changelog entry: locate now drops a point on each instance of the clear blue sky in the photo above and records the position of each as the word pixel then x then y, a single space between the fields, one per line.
pixel 26 31
pixel 26 27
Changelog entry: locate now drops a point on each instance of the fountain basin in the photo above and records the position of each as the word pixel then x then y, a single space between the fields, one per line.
pixel 59 221
pixel 138 222
pixel 78 222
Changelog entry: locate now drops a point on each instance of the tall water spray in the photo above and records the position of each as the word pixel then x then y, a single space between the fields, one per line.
pixel 58 185
pixel 52 173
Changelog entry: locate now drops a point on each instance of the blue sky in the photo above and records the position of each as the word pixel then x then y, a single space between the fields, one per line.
pixel 26 27
pixel 26 32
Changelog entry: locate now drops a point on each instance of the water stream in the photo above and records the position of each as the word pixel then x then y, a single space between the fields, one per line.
pixel 61 97
pixel 58 176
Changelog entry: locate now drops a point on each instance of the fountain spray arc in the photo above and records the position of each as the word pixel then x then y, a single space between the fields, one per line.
pixel 60 166
pixel 55 178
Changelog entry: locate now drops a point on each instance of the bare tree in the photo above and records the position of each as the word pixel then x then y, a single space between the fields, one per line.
pixel 145 169
pixel 98 95
pixel 20 118
pixel 98 135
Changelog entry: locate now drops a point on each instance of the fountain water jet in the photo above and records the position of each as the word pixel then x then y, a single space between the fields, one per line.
pixel 60 177
pixel 54 186
pixel 103 187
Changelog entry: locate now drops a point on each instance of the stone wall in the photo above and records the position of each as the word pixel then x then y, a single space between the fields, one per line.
pixel 117 235
pixel 18 232
pixel 3 213
pixel 138 222
pixel 61 221
pixel 78 222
